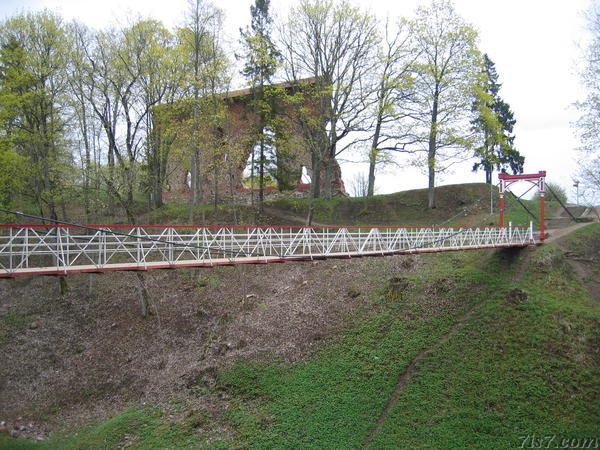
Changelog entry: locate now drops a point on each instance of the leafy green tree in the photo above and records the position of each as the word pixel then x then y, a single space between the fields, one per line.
pixel 445 75
pixel 494 123
pixel 33 53
pixel 262 60
pixel 393 86
pixel 554 191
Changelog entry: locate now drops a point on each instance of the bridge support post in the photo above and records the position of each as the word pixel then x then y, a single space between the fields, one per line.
pixel 542 233
pixel 501 209
pixel 537 179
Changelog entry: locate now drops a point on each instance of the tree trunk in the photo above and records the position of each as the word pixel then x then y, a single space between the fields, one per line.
pixel 144 296
pixel 231 190
pixel 216 188
pixel 373 159
pixel 261 174
pixel 315 181
pixel 431 152
pixel 431 186
pixel 328 178
pixel 111 177
pixel 63 286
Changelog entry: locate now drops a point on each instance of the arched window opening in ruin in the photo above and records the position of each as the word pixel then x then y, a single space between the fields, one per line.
pixel 305 177
pixel 263 156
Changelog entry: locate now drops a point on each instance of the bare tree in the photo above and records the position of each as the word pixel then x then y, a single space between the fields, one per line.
pixel 588 124
pixel 335 43
pixel 390 131
pixel 359 185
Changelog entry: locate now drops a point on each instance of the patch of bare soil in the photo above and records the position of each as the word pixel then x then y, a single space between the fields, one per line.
pixel 89 355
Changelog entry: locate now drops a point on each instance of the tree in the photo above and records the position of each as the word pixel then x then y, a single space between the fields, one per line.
pixel 392 88
pixel 554 192
pixel 359 186
pixel 262 60
pixel 588 125
pixel 589 175
pixel 335 44
pixel 33 53
pixel 206 64
pixel 445 74
pixel 121 76
pixel 494 123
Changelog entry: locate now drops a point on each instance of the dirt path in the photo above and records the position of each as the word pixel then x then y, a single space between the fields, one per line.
pixel 296 219
pixel 555 234
pixel 413 367
pixel 410 371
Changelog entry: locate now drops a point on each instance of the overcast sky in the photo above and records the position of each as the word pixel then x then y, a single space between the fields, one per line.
pixel 535 45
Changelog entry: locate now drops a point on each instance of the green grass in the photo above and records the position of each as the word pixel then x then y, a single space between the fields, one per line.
pixel 144 429
pixel 333 400
pixel 585 241
pixel 510 371
pixel 408 208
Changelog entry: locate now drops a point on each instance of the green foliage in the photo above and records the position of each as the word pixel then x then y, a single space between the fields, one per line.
pixel 33 55
pixel 446 72
pixel 494 123
pixel 12 179
pixel 554 191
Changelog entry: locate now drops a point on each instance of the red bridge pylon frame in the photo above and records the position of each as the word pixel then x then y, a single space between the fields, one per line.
pixel 537 179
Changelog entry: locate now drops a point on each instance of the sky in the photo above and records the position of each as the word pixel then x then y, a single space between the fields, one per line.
pixel 536 46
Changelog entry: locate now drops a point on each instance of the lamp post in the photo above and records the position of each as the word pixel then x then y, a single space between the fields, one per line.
pixel 576 185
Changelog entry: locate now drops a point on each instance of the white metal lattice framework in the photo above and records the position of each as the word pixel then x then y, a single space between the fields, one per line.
pixel 61 250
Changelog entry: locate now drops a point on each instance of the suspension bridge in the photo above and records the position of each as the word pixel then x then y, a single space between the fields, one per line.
pixel 60 249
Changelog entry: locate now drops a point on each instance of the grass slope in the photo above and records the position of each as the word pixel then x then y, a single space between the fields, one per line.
pixel 512 370
pixel 458 204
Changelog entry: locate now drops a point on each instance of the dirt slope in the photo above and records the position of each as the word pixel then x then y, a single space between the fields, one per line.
pixel 88 355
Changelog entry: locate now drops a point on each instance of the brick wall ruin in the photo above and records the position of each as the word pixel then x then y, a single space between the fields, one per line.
pixel 221 174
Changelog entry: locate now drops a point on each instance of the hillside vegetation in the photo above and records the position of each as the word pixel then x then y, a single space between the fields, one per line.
pixel 465 349
pixel 459 204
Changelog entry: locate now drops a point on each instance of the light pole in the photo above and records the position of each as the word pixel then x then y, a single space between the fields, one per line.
pixel 576 185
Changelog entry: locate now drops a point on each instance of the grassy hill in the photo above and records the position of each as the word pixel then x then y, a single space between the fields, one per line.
pixel 460 204
pixel 476 349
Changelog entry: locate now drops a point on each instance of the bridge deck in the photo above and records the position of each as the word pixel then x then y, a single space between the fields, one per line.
pixel 60 250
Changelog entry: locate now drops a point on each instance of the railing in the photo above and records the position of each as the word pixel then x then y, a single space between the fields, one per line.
pixel 59 250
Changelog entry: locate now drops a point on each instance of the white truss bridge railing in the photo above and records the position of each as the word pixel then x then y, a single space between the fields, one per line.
pixel 60 250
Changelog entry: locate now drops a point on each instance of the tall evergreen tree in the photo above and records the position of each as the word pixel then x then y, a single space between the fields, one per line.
pixel 262 60
pixel 495 123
